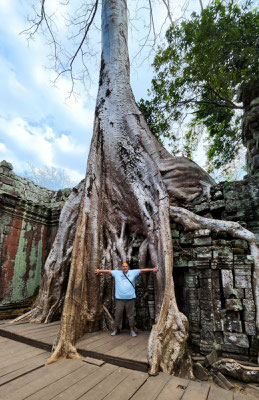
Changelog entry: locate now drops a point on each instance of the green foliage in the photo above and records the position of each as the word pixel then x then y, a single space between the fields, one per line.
pixel 198 73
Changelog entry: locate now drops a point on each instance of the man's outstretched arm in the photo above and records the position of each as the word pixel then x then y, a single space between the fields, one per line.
pixel 103 271
pixel 142 271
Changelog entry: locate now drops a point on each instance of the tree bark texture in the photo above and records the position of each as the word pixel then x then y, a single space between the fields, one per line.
pixel 131 181
pixel 236 370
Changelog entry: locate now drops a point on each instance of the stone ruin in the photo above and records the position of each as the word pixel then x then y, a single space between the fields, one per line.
pixel 212 272
pixel 28 225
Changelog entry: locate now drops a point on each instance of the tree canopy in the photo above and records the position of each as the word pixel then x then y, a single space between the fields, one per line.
pixel 198 73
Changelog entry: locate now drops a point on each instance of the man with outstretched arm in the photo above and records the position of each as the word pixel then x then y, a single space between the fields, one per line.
pixel 125 294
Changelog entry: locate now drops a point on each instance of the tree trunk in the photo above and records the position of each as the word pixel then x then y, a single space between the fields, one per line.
pixel 129 184
pixel 124 195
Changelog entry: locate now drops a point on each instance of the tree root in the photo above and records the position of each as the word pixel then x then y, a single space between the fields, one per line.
pixel 61 352
pixel 167 342
pixel 109 319
pixel 235 370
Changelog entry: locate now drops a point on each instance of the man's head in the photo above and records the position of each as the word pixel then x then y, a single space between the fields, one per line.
pixel 125 267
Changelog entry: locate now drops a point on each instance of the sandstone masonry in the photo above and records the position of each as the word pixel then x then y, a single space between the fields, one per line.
pixel 28 224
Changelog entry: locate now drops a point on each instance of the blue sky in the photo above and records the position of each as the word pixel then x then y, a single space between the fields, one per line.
pixel 37 122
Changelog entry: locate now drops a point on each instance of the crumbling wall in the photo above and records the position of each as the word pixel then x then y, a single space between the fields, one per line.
pixel 213 273
pixel 28 224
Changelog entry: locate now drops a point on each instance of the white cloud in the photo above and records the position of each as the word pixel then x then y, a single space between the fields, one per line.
pixel 65 144
pixel 27 139
pixel 74 175
pixel 49 134
pixel 37 125
pixel 3 148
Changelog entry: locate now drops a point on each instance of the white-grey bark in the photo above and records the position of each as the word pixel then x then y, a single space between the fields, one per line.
pixel 236 370
pixel 130 182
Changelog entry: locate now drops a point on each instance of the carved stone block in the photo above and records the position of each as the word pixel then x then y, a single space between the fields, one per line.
pixel 250 328
pixel 202 232
pixel 249 305
pixel 234 304
pixel 202 241
pixel 227 280
pixel 243 282
pixel 236 339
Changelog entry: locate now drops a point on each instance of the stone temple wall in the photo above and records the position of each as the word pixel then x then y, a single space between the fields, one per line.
pixel 28 224
pixel 213 273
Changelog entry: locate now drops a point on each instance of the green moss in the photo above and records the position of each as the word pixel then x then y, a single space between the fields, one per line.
pixel 19 283
pixel 35 275
pixel 20 266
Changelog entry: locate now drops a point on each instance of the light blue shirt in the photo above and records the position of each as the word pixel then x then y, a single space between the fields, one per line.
pixel 123 288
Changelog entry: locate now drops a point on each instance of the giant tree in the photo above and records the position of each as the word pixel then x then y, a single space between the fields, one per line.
pixel 132 185
pixel 198 72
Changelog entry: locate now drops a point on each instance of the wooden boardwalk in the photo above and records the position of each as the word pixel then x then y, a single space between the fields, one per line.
pixel 122 350
pixel 23 375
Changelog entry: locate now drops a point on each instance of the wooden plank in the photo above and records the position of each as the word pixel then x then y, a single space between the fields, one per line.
pixel 196 391
pixel 44 329
pixel 96 339
pixel 33 342
pixel 128 387
pixel 49 340
pixel 239 396
pixel 8 343
pixel 23 368
pixel 22 363
pixel 48 375
pixel 125 346
pixel 85 341
pixel 174 388
pixel 93 361
pixel 12 353
pixel 76 391
pixel 24 380
pixel 142 355
pixel 33 352
pixel 11 346
pixel 100 340
pixel 62 384
pixel 105 345
pixel 42 334
pixel 9 322
pixel 29 327
pixel 105 387
pixel 217 393
pixel 121 362
pixel 133 354
pixel 152 388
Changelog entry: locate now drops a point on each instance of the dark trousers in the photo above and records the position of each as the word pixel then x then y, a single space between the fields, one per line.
pixel 129 305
